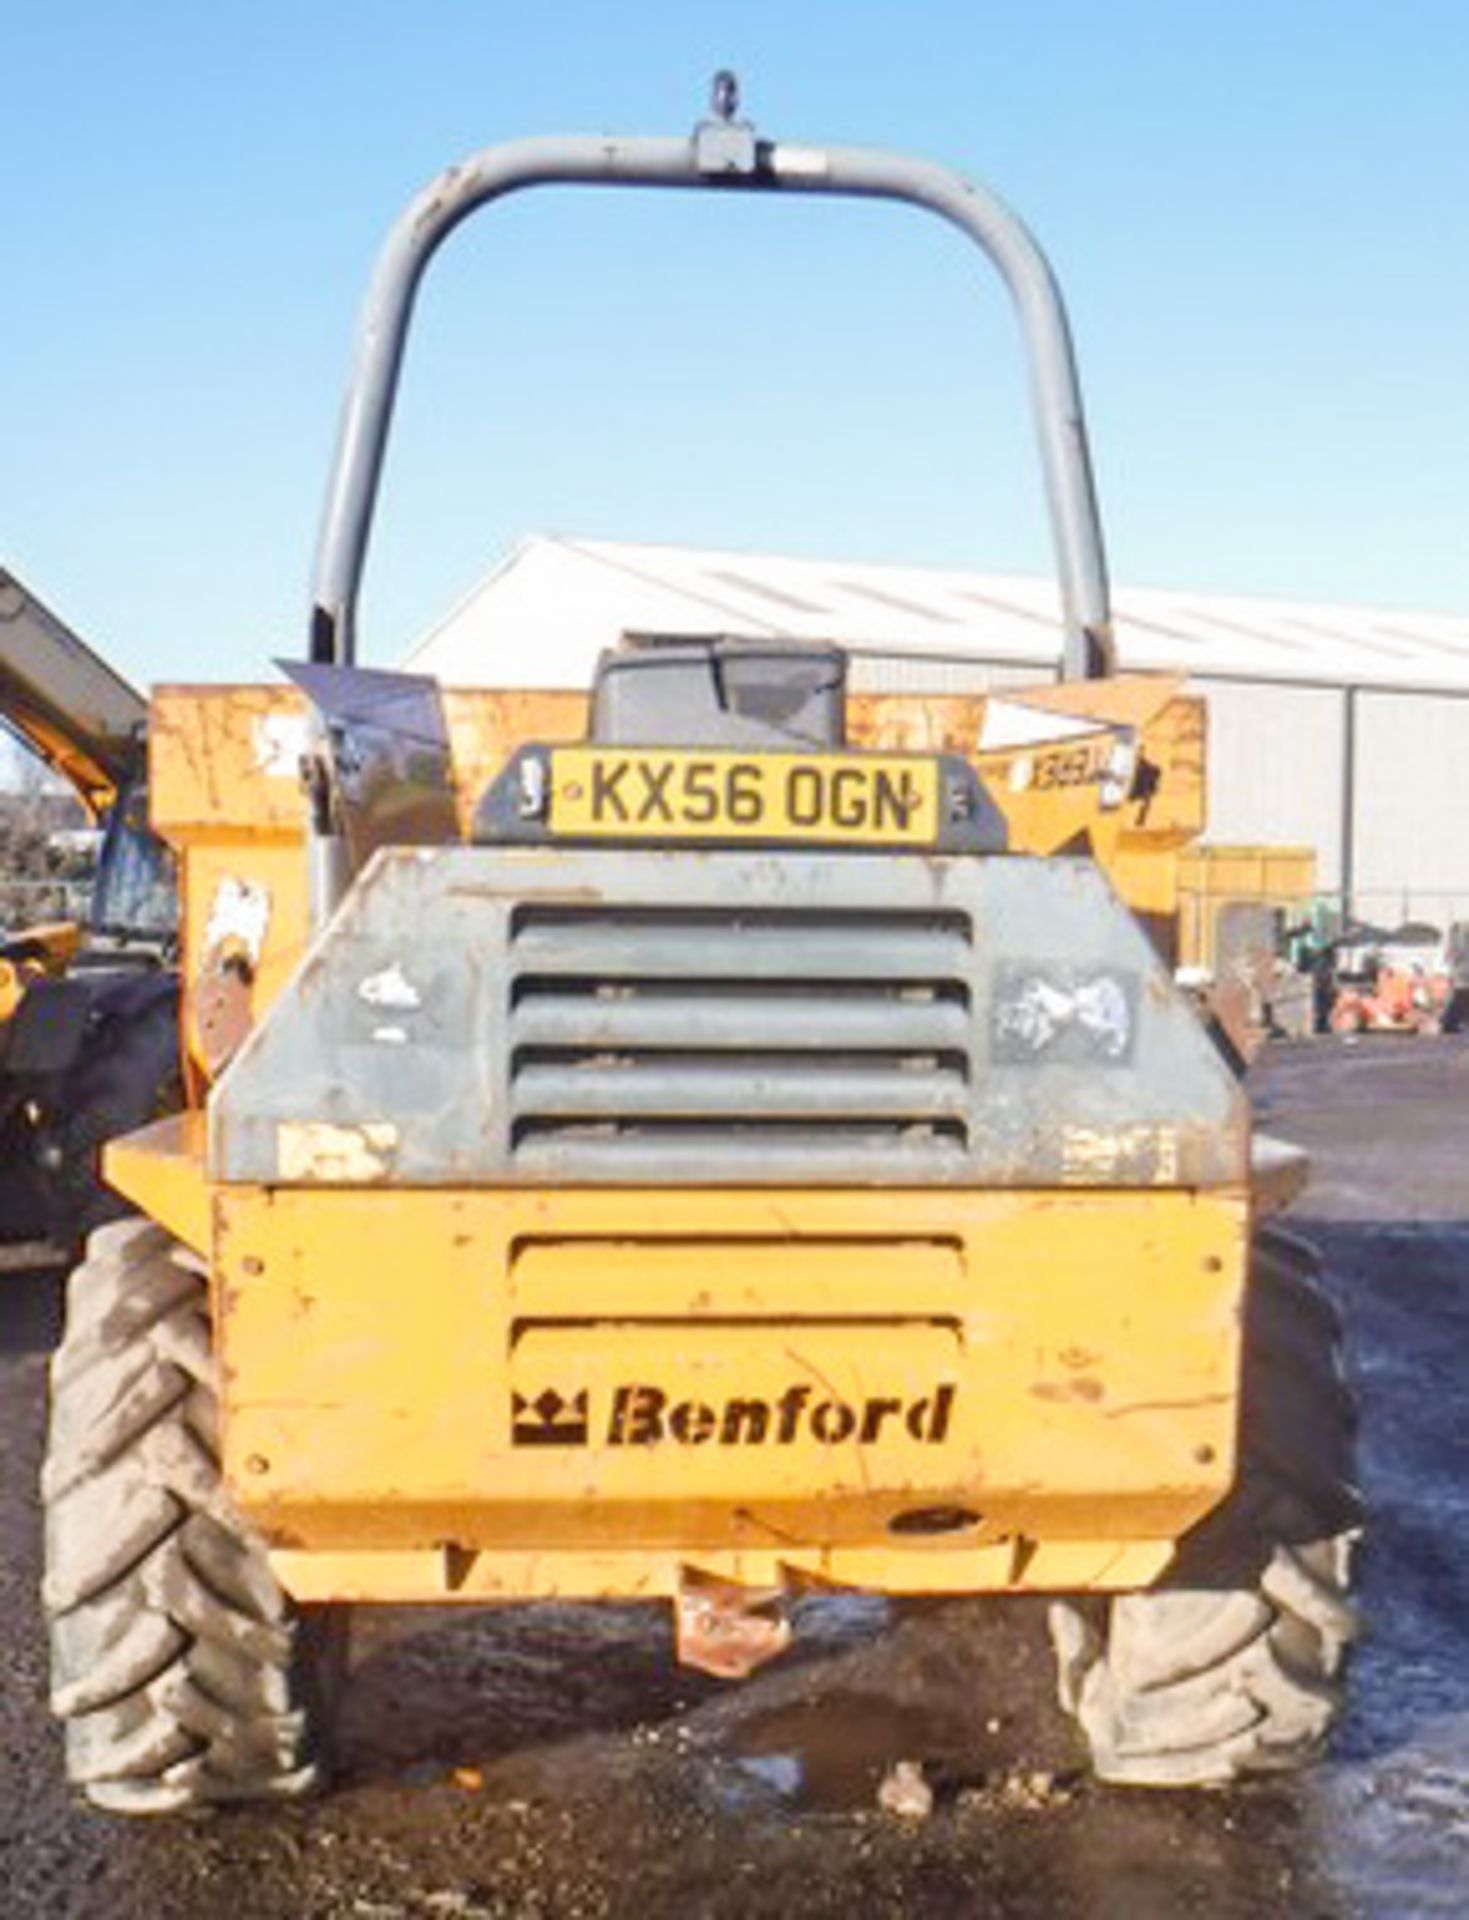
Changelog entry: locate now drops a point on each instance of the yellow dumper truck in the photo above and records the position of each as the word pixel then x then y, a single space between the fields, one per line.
pixel 701 1138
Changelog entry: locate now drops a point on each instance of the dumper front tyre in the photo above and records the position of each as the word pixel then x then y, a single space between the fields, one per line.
pixel 181 1672
pixel 1234 1664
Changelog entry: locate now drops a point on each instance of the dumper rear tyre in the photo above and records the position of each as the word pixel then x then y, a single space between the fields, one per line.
pixel 181 1672
pixel 1234 1664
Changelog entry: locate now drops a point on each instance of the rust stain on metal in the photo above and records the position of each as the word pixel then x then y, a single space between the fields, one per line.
pixel 282 1539
pixel 477 890
pixel 1194 1405
pixel 1086 1389
pixel 1079 1357
pixel 1023 1551
pixel 726 1630
pixel 222 1014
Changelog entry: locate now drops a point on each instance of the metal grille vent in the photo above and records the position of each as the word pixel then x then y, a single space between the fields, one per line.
pixel 742 1044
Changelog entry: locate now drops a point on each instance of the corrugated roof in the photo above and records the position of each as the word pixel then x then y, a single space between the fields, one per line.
pixel 543 615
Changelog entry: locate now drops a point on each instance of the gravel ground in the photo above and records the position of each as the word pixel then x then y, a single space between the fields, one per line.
pixel 553 1761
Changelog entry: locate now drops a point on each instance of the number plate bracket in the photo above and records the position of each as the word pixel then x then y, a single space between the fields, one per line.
pixel 675 796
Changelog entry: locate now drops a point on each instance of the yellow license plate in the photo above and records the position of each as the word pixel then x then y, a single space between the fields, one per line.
pixel 652 793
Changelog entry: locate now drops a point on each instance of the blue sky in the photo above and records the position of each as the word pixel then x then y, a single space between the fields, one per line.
pixel 1259 212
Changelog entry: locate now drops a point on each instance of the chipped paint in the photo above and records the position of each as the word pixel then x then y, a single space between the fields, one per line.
pixel 390 987
pixel 390 1036
pixel 279 742
pixel 1032 1009
pixel 337 1156
pixel 1142 1152
pixel 239 915
pixel 801 163
pixel 432 943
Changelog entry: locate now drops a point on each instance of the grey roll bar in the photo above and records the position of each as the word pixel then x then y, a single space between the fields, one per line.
pixel 722 152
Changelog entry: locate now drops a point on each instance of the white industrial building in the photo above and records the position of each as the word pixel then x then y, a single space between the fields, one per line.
pixel 1342 728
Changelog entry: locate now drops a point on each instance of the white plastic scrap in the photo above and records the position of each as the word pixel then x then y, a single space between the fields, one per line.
pixel 904 1792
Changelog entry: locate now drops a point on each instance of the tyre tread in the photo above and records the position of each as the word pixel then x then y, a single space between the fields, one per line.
pixel 1233 1665
pixel 175 1663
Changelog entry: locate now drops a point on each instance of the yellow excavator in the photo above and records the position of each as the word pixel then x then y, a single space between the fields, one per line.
pixel 88 1011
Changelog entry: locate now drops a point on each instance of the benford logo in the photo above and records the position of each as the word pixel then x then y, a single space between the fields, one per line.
pixel 643 1416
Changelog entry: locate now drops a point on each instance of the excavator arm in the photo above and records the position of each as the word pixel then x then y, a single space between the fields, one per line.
pixel 82 718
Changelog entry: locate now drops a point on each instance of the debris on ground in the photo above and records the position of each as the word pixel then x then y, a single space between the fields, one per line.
pixel 904 1792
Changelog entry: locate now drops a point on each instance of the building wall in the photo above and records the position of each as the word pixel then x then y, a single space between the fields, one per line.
pixel 1276 750
pixel 901 673
pixel 1277 777
pixel 1275 768
pixel 1412 807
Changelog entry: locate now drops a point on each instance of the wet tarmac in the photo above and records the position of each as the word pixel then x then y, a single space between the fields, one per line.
pixel 553 1761
pixel 1387 1124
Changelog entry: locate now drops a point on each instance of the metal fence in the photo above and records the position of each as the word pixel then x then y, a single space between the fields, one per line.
pixel 1392 907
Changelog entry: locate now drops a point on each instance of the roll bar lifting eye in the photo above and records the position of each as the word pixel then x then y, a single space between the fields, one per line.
pixel 723 152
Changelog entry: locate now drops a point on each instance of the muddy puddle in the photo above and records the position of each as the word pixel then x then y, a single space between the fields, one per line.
pixel 832 1755
pixel 1388 1128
